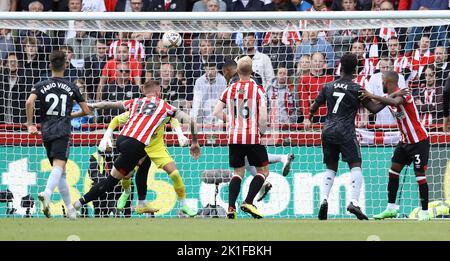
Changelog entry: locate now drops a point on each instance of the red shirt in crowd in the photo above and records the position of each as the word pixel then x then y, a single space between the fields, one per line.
pixel 309 87
pixel 110 69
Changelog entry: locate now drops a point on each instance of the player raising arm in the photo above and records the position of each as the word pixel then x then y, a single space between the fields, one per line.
pixel 246 121
pixel 56 96
pixel 414 146
pixel 339 135
pixel 157 151
pixel 146 115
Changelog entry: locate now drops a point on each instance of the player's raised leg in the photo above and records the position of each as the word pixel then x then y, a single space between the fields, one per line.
pixel 286 159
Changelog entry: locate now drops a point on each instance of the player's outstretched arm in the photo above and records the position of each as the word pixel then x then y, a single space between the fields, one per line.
pixel 107 105
pixel 29 105
pixel 393 99
pixel 85 110
pixel 218 111
pixel 184 118
pixel 183 140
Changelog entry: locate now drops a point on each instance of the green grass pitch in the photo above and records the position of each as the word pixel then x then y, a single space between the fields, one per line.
pixel 221 229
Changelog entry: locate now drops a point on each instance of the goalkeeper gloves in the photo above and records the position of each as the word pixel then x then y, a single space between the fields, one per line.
pixel 106 141
pixel 182 140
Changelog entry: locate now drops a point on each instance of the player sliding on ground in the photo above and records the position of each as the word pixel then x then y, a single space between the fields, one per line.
pixel 414 146
pixel 246 121
pixel 145 116
pixel 157 151
pixel 56 96
pixel 339 135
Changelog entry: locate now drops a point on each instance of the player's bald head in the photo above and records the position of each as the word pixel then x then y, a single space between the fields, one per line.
pixel 390 76
pixel 390 81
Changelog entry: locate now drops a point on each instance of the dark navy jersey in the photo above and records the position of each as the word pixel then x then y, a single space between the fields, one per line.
pixel 56 96
pixel 341 97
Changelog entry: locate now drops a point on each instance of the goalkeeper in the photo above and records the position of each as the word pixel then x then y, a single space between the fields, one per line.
pixel 158 153
pixel 436 209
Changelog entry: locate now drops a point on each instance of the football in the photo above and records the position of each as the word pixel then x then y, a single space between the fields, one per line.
pixel 171 39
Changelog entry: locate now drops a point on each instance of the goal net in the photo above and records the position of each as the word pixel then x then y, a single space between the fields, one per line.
pixel 294 55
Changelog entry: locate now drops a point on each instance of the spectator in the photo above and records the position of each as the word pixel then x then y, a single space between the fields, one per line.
pixel 63 36
pixel 301 5
pixel 373 45
pixel 304 66
pixel 71 73
pixel 168 6
pixel 33 62
pixel 310 85
pixel 8 5
pixel 239 37
pixel 419 58
pixel 342 38
pixel 279 97
pixel 196 68
pixel 376 5
pixel 261 63
pixel 132 5
pixel 248 5
pixel 311 44
pixel 135 48
pixel 119 89
pixel 77 122
pixel 207 90
pixel 402 63
pixel 34 6
pixel 279 53
pixel 438 34
pixel 386 33
pixel 345 5
pixel 207 5
pixel 375 86
pixel 93 6
pixel 319 5
pixel 109 71
pixel 82 44
pixel 172 89
pixel 162 55
pixel 283 5
pixel 6 44
pixel 14 91
pixel 446 106
pixel 441 65
pixel 225 46
pixel 93 66
pixel 429 101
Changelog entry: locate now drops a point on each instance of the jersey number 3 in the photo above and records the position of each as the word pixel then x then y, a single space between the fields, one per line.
pixel 340 96
pixel 55 101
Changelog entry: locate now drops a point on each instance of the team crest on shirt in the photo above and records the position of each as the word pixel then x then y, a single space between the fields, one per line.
pixel 241 91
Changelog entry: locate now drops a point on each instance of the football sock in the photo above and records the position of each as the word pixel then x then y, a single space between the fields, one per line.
pixel 393 186
pixel 233 190
pixel 63 188
pixel 274 158
pixel 357 179
pixel 327 183
pixel 99 189
pixel 141 179
pixel 178 185
pixel 53 180
pixel 254 188
pixel 423 192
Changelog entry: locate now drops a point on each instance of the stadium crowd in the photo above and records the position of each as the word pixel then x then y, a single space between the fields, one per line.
pixel 292 65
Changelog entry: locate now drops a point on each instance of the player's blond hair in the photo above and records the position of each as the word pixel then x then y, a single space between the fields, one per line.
pixel 244 66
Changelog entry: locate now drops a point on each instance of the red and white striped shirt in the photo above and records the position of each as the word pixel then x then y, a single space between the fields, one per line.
pixel 135 48
pixel 146 114
pixel 408 121
pixel 242 100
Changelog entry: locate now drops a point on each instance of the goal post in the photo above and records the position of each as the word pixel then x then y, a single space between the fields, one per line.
pixel 294 55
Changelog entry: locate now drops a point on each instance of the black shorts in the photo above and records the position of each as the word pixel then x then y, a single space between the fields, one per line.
pixel 256 155
pixel 417 153
pixel 58 148
pixel 351 153
pixel 131 151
